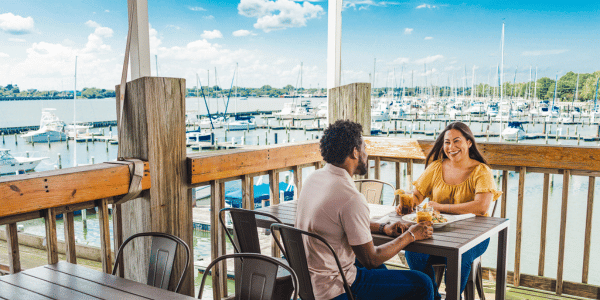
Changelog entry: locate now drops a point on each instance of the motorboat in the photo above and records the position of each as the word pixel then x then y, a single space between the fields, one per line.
pixel 477 109
pixel 14 165
pixel 197 136
pixel 323 110
pixel 492 111
pixel 293 110
pixel 514 131
pixel 205 123
pixel 241 123
pixel 52 129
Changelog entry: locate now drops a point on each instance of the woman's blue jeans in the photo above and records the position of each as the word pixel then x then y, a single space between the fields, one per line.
pixel 423 262
pixel 384 284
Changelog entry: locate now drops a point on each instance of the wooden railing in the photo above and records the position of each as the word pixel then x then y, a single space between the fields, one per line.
pixel 46 194
pixel 244 165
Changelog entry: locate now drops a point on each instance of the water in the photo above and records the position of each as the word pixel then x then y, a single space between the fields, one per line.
pixel 23 113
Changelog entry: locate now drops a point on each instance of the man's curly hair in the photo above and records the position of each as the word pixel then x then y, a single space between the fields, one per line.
pixel 339 140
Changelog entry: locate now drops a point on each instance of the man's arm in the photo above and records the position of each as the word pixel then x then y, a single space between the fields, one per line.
pixel 372 257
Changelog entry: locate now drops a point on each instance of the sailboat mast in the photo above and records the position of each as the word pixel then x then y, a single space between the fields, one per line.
pixel 198 96
pixel 576 88
pixel 236 84
pixel 555 86
pixel 529 85
pixel 473 84
pixel 373 84
pixel 501 80
pixel 535 86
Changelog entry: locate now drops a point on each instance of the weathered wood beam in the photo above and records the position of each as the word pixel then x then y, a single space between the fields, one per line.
pixel 47 189
pixel 104 225
pixel 14 257
pixel 69 226
pixel 51 238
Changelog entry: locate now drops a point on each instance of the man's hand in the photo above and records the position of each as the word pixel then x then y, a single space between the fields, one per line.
pixel 395 229
pixel 422 231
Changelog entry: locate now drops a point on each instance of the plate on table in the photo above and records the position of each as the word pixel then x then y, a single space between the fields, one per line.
pixel 411 219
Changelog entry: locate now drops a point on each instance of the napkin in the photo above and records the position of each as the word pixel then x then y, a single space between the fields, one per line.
pixel 380 211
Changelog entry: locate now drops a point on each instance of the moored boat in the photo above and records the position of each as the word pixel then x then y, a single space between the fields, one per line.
pixel 13 165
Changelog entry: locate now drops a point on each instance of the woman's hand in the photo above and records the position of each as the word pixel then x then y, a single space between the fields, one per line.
pixel 422 231
pixel 436 206
pixel 395 229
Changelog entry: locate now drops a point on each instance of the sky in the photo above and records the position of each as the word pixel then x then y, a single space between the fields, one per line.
pixel 417 41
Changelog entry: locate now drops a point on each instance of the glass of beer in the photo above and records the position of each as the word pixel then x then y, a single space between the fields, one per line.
pixel 424 213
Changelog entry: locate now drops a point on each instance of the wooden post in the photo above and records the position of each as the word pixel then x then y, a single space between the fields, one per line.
pixel 517 273
pixel 70 238
pixel 104 225
pixel 504 193
pixel 546 191
pixel 274 185
pixel 158 138
pixel 51 239
pixel 217 239
pixel 298 178
pixel 247 192
pixel 12 239
pixel 351 102
pixel 377 167
pixel 588 230
pixel 118 235
pixel 563 232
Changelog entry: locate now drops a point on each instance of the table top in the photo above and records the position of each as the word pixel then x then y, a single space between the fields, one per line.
pixel 452 239
pixel 69 281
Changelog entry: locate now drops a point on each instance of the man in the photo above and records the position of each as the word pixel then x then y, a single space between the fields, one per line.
pixel 331 206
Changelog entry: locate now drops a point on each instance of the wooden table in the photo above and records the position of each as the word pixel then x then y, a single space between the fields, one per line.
pixel 450 241
pixel 69 281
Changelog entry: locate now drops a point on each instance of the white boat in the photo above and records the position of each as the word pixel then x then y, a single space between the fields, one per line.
pixel 513 132
pixel 380 110
pixel 323 110
pixel 205 123
pixel 52 129
pixel 292 110
pixel 14 165
pixel 240 125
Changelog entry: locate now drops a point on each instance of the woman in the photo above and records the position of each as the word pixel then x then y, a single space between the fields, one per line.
pixel 457 180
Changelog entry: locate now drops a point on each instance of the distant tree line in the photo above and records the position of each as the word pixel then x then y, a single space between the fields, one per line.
pixel 12 90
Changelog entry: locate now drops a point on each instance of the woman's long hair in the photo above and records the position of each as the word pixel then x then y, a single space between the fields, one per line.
pixel 437 151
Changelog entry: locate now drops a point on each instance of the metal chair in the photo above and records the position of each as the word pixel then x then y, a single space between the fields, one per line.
pixel 162 255
pixel 296 255
pixel 372 189
pixel 246 240
pixel 257 276
pixel 475 281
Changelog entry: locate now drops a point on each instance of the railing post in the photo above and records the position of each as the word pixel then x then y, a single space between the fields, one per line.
pixel 70 250
pixel 248 192
pixel 517 273
pixel 377 167
pixel 504 193
pixel 104 235
pixel 274 185
pixel 409 173
pixel 588 230
pixel 217 239
pixel 398 182
pixel 546 191
pixel 563 232
pixel 298 178
pixel 118 236
pixel 51 239
pixel 12 239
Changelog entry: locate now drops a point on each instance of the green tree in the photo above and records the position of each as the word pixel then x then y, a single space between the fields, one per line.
pixel 545 84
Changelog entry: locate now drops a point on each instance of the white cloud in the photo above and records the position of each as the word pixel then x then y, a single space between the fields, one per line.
pixel 408 30
pixel 210 17
pixel 95 40
pixel 279 14
pixel 92 24
pixel 14 24
pixel 215 34
pixel 426 6
pixel 196 8
pixel 155 40
pixel 243 32
pixel 544 52
pixel 428 38
pixel 429 59
pixel 2 54
pixel 16 40
pixel 173 26
pixel 106 10
pixel 365 4
pixel 401 60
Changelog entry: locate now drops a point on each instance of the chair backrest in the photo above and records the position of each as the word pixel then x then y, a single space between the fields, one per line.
pixel 162 256
pixel 257 278
pixel 372 189
pixel 245 229
pixel 295 253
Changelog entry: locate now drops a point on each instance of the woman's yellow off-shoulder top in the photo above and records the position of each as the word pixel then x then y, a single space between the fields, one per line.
pixel 431 185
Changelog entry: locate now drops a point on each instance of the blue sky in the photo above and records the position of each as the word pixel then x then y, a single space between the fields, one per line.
pixel 269 39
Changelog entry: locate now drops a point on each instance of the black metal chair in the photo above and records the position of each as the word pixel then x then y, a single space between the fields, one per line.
pixel 372 189
pixel 296 255
pixel 246 240
pixel 475 281
pixel 257 277
pixel 162 255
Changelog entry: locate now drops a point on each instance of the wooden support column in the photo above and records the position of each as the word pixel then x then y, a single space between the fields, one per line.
pixel 14 260
pixel 409 173
pixel 351 102
pixel 248 192
pixel 504 193
pixel 104 224
pixel 153 129
pixel 298 178
pixel 588 230
pixel 274 185
pixel 69 226
pixel 51 239
pixel 377 167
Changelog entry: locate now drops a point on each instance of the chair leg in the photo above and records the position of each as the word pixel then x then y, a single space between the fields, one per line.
pixel 438 271
pixel 479 281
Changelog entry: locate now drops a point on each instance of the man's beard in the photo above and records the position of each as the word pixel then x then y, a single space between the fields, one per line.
pixel 361 169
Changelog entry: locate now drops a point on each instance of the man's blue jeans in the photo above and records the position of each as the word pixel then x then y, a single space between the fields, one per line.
pixel 384 284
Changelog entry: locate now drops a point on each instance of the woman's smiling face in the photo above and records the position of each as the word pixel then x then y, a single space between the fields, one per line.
pixel 456 146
